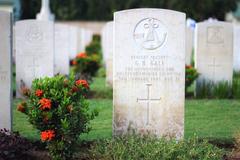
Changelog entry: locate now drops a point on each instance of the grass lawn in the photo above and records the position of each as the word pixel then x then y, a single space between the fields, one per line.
pixel 215 119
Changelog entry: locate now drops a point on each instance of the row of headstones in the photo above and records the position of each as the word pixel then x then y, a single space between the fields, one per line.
pixel 45 49
pixel 39 48
pixel 145 52
pixel 217 51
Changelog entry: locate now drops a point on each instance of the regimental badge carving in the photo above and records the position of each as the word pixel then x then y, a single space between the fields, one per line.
pixel 150 33
pixel 34 34
pixel 215 35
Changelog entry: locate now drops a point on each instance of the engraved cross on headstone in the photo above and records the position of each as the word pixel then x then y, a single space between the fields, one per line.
pixel 148 100
pixel 214 65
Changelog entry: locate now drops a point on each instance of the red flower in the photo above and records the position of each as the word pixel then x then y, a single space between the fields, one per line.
pixel 81 55
pixel 74 62
pixel 39 93
pixel 188 66
pixel 47 135
pixel 21 108
pixel 45 104
pixel 84 83
pixel 74 89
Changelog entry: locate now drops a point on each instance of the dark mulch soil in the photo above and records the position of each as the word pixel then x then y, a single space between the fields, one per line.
pixel 234 156
pixel 37 155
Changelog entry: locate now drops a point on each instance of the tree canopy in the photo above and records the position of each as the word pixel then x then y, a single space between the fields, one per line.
pixel 103 9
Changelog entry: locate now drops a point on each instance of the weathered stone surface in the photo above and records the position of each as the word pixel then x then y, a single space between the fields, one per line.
pixel 73 41
pixel 108 48
pixel 189 44
pixel 62 49
pixel 149 72
pixel 5 70
pixel 104 43
pixel 236 49
pixel 34 51
pixel 214 51
pixel 84 39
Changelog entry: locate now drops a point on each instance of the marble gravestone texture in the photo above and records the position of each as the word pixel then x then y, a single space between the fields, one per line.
pixel 189 45
pixel 62 49
pixel 81 40
pixel 109 53
pixel 73 31
pixel 34 51
pixel 214 52
pixel 5 70
pixel 149 72
pixel 236 49
pixel 85 37
pixel 103 42
pixel 89 35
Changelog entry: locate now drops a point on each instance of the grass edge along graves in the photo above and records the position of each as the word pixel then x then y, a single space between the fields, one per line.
pixel 204 122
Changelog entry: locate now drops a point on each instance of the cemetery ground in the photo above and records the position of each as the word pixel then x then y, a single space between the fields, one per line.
pixel 216 120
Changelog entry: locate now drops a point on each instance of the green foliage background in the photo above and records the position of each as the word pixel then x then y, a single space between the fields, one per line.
pixel 104 9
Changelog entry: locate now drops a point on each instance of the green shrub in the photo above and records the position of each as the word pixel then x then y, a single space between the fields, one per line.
pixel 58 109
pixel 86 65
pixel 149 148
pixel 209 89
pixel 191 75
pixel 236 85
pixel 95 46
pixel 221 90
pixel 101 72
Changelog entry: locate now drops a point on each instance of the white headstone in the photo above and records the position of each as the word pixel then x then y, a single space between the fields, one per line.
pixel 103 42
pixel 214 51
pixel 34 51
pixel 62 49
pixel 149 72
pixel 73 41
pixel 45 12
pixel 85 37
pixel 89 35
pixel 236 49
pixel 81 40
pixel 189 44
pixel 5 70
pixel 109 53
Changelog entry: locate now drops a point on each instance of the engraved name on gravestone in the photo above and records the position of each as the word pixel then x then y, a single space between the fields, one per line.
pixel 149 72
pixel 34 51
pixel 214 52
pixel 5 70
pixel 62 49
